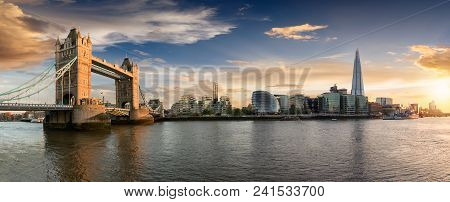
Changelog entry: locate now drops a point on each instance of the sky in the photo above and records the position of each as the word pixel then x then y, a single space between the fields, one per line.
pixel 283 47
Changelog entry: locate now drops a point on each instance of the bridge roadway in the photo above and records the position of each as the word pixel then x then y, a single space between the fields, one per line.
pixel 52 107
pixel 33 107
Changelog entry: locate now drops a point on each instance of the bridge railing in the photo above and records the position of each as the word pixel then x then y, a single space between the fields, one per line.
pixel 116 109
pixel 35 105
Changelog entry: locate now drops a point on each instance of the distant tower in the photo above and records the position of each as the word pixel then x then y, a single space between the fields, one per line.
pixel 215 92
pixel 357 83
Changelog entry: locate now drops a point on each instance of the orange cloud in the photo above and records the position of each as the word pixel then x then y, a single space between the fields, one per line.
pixel 23 38
pixel 437 58
pixel 295 32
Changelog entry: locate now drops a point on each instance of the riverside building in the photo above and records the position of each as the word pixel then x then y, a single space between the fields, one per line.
pixel 264 102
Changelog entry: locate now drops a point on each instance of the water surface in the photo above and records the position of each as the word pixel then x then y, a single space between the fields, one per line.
pixel 351 150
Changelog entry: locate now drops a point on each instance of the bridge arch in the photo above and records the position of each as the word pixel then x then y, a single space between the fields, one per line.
pixel 69 99
pixel 125 105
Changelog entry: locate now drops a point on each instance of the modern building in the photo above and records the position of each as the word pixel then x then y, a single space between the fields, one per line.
pixel 383 101
pixel 330 103
pixel 205 102
pixel 283 101
pixel 215 92
pixel 311 105
pixel 432 106
pixel 297 103
pixel 357 82
pixel 264 102
pixel 224 105
pixel 362 104
pixel 187 105
pixel 348 104
pixel 334 89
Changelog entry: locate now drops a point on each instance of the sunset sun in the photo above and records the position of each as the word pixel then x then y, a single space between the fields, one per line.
pixel 441 90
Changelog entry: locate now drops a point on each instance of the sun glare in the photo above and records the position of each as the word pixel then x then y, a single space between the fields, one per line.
pixel 441 90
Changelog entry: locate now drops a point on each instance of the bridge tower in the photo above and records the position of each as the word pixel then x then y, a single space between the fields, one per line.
pixel 127 89
pixel 76 84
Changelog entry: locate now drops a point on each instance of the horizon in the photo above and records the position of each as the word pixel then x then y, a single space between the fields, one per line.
pixel 400 58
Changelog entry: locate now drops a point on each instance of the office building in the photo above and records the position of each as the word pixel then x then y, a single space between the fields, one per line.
pixel 311 105
pixel 264 102
pixel 362 106
pixel 432 106
pixel 330 103
pixel 187 105
pixel 384 101
pixel 348 104
pixel 205 102
pixel 215 92
pixel 296 104
pixel 283 101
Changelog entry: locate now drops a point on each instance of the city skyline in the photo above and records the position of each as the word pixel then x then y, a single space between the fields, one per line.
pixel 411 69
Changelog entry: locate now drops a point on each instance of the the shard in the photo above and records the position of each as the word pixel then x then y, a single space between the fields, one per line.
pixel 357 83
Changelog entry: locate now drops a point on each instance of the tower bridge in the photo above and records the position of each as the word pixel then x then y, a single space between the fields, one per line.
pixel 74 106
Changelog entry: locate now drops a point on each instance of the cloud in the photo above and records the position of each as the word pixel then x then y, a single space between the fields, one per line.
pixel 391 53
pixel 335 56
pixel 240 63
pixel 297 32
pixel 141 52
pixel 242 9
pixel 331 39
pixel 139 22
pixel 23 38
pixel 26 40
pixel 436 58
pixel 27 2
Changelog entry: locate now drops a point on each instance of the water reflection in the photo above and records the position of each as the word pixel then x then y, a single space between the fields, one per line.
pixel 364 150
pixel 358 152
pixel 70 155
pixel 84 156
pixel 129 151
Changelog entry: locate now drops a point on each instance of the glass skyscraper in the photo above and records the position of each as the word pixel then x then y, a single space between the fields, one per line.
pixel 357 82
pixel 358 87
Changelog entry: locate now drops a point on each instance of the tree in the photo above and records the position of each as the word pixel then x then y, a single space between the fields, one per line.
pixel 292 109
pixel 247 110
pixel 207 111
pixel 229 111
pixel 237 112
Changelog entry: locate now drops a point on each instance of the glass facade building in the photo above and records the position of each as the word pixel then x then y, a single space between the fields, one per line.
pixel 264 102
pixel 283 101
pixel 331 102
pixel 383 101
pixel 362 104
pixel 298 101
pixel 348 104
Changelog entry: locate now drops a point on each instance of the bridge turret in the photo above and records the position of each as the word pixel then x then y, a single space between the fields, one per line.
pixel 127 64
pixel 58 42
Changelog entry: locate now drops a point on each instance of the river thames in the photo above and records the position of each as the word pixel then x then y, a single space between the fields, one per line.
pixel 312 150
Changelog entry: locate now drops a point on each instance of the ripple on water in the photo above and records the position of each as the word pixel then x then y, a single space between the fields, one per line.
pixel 364 150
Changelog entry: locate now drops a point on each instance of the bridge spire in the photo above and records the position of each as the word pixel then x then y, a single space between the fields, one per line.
pixel 58 42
